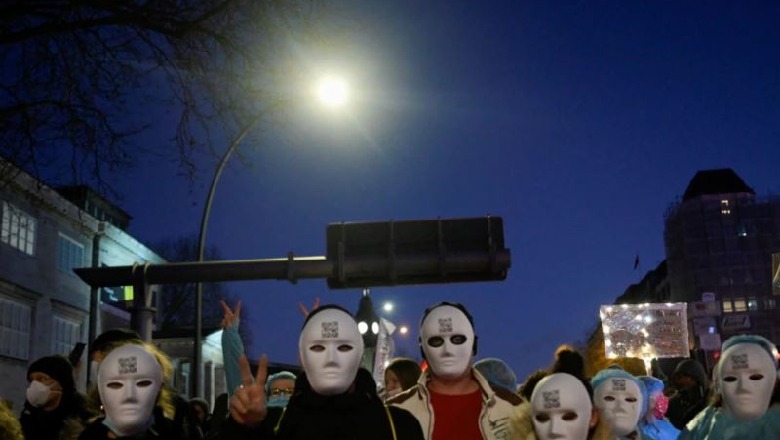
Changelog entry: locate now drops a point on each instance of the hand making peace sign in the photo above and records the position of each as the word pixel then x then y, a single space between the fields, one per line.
pixel 248 404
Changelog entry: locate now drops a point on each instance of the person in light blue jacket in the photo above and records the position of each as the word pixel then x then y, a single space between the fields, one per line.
pixel 653 425
pixel 746 404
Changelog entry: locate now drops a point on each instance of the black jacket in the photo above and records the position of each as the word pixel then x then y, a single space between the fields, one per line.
pixel 359 415
pixel 64 422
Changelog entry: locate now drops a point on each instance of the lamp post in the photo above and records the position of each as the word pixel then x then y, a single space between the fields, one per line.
pixel 368 326
pixel 333 92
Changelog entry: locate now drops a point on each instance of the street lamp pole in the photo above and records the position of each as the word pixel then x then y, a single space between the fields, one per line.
pixel 197 352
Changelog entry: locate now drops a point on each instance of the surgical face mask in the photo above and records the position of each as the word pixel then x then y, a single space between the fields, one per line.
pixel 746 374
pixel 129 381
pixel 38 393
pixel 447 339
pixel 620 402
pixel 660 406
pixel 278 401
pixel 561 408
pixel 330 347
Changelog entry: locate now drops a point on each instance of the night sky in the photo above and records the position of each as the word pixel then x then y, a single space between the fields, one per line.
pixel 578 122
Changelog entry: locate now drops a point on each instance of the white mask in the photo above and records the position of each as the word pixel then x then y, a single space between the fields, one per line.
pixel 447 339
pixel 746 374
pixel 620 402
pixel 129 381
pixel 38 393
pixel 561 407
pixel 330 348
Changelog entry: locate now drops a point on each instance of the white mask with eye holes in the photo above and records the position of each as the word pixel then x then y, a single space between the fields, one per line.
pixel 619 400
pixel 746 377
pixel 330 347
pixel 129 381
pixel 447 339
pixel 561 408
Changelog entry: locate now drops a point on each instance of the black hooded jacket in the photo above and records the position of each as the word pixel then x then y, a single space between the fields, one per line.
pixel 688 402
pixel 64 422
pixel 358 415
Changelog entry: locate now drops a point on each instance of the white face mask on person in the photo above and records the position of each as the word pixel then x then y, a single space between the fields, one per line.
pixel 38 393
pixel 447 339
pixel 330 347
pixel 746 375
pixel 561 408
pixel 129 381
pixel 620 402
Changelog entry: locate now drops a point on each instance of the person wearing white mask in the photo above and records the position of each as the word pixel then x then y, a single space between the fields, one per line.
pixel 746 404
pixel 53 407
pixel 620 398
pixel 561 407
pixel 452 399
pixel 130 383
pixel 334 399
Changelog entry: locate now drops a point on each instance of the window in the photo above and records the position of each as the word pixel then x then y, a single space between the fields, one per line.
pixel 70 254
pixel 752 304
pixel 18 229
pixel 727 308
pixel 65 333
pixel 14 329
pixel 769 303
pixel 724 207
pixel 739 305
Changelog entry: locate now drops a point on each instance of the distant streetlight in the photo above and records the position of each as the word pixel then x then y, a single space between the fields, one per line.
pixel 388 307
pixel 332 91
pixel 403 329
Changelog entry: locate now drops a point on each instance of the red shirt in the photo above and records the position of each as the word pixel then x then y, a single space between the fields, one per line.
pixel 456 417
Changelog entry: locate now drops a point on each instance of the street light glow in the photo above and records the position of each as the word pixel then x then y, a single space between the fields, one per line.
pixel 404 329
pixel 388 307
pixel 332 91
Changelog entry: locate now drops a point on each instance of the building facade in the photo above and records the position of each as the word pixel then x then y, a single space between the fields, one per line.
pixel 45 308
pixel 719 241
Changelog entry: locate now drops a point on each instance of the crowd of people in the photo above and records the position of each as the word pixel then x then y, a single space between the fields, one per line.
pixel 449 396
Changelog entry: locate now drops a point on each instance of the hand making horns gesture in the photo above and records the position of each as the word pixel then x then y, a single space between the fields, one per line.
pixel 248 403
pixel 230 316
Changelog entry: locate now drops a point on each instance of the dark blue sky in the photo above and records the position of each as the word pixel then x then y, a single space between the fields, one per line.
pixel 577 122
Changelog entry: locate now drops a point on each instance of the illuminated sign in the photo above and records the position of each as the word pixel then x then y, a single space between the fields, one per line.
pixel 645 331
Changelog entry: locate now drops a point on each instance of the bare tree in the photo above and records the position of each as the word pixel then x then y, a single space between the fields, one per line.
pixel 177 301
pixel 82 79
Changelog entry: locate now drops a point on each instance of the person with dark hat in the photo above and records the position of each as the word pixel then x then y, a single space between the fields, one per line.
pixel 53 408
pixel 334 398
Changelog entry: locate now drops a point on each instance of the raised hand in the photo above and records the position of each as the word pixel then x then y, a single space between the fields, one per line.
pixel 230 318
pixel 306 312
pixel 248 403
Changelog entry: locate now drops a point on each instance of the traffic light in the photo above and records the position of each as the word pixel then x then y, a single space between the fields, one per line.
pixel 366 254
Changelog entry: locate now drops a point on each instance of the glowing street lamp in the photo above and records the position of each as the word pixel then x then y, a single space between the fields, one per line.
pixel 388 307
pixel 331 91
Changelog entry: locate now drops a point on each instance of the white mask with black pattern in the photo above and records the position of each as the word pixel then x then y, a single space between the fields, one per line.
pixel 447 339
pixel 620 402
pixel 746 377
pixel 331 348
pixel 129 382
pixel 561 408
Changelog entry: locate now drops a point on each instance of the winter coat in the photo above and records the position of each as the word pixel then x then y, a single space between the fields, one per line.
pixel 658 430
pixel 498 404
pixel 96 430
pixel 63 423
pixel 356 415
pixel 714 424
pixel 686 403
pixel 521 426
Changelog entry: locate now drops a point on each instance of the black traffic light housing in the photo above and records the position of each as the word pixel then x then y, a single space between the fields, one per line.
pixel 366 254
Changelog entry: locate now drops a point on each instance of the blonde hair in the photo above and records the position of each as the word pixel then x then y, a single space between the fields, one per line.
pixel 10 429
pixel 165 398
